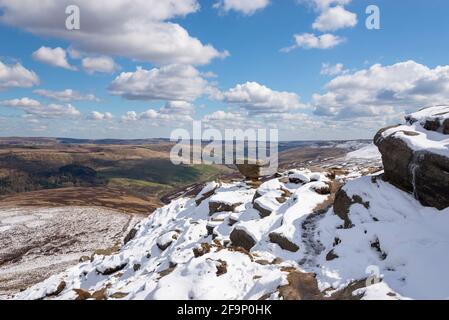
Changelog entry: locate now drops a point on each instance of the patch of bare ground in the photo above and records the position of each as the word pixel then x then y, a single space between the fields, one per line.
pixel 111 198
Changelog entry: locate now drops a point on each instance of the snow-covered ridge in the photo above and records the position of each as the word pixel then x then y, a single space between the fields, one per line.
pixel 246 241
pixel 184 250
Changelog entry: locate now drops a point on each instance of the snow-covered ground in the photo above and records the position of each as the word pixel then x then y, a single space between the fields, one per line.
pixel 406 242
pixel 393 247
pixel 39 242
pixel 368 152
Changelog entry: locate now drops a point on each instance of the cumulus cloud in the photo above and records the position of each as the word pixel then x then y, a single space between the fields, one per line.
pixel 56 57
pixel 158 117
pixel 178 107
pixel 137 29
pixel 16 76
pixel 247 7
pixel 259 99
pixel 99 116
pixel 335 18
pixel 312 41
pixel 172 83
pixel 382 91
pixel 328 69
pixel 221 115
pixel 35 108
pixel 67 95
pixel 102 64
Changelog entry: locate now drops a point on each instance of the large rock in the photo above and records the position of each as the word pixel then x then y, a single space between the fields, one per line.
pixel 255 171
pixel 283 242
pixel 414 163
pixel 242 238
pixel 342 206
pixel 217 206
pixel 250 171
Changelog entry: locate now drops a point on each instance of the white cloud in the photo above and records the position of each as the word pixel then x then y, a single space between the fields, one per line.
pixel 56 57
pixel 102 64
pixel 173 83
pixel 335 18
pixel 312 41
pixel 130 116
pixel 35 108
pixel 65 95
pixel 99 116
pixel 16 76
pixel 384 91
pixel 178 107
pixel 21 103
pixel 221 115
pixel 137 29
pixel 328 69
pixel 259 99
pixel 247 7
pixel 159 117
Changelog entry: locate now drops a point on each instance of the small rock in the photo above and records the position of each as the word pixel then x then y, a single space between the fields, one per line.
pixel 222 267
pixel 136 267
pixel 331 256
pixel 130 236
pixel 202 250
pixel 84 259
pixel 119 295
pixel 82 294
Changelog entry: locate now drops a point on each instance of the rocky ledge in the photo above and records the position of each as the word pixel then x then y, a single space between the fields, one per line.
pixel 416 155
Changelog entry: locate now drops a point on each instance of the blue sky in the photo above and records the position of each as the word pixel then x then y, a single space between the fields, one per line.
pixel 221 64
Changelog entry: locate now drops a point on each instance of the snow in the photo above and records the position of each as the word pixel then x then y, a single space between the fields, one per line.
pixel 166 239
pixel 440 113
pixel 301 175
pixel 230 194
pixel 368 152
pixel 378 291
pixel 421 140
pixel 268 200
pixel 414 239
pixel 208 188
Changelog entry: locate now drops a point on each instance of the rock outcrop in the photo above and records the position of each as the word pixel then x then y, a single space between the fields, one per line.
pixel 416 156
pixel 255 171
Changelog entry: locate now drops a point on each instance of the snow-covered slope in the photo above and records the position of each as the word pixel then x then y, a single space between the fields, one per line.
pixel 183 251
pixel 368 152
pixel 392 233
pixel 240 241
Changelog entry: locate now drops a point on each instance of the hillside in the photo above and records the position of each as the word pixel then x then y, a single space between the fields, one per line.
pixel 344 230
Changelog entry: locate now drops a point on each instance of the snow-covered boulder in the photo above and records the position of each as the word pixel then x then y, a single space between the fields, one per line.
pixel 164 241
pixel 417 159
pixel 433 118
pixel 207 192
pixel 300 177
pixel 280 239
